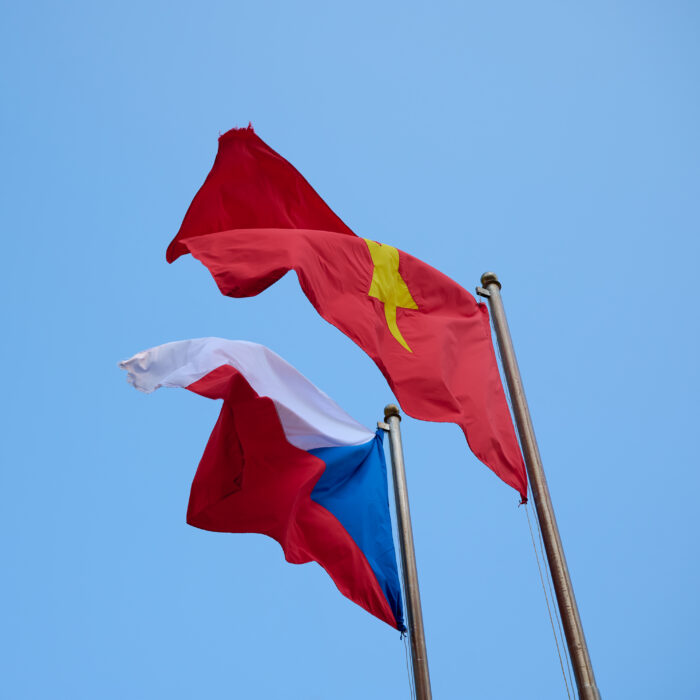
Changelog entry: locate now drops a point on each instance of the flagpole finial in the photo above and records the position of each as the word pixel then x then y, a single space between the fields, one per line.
pixel 391 410
pixel 490 278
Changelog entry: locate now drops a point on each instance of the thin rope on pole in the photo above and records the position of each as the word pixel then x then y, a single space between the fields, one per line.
pixel 546 600
pixel 556 609
pixel 409 670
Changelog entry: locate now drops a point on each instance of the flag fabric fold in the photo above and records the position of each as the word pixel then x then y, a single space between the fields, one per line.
pixel 429 337
pixel 286 461
pixel 252 186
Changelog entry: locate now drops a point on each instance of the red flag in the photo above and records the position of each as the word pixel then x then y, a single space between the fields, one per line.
pixel 251 186
pixel 428 336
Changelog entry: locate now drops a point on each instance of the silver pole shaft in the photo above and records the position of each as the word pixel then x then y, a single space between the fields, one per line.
pixel 571 621
pixel 419 656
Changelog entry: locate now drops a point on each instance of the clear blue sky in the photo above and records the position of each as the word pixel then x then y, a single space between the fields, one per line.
pixel 556 143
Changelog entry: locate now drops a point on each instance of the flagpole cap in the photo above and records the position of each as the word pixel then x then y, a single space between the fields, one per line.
pixel 490 278
pixel 391 410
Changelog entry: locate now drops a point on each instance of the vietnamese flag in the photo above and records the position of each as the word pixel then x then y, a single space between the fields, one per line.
pixel 255 218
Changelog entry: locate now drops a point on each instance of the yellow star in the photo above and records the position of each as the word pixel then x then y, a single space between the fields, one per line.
pixel 388 286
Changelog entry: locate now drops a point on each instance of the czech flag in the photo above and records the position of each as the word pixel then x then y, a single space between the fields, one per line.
pixel 286 461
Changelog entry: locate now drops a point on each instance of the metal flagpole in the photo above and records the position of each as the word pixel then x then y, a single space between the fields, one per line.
pixel 571 621
pixel 419 657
